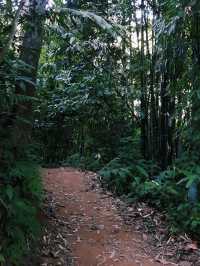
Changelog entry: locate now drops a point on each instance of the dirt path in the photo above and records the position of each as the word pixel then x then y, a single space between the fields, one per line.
pixel 88 224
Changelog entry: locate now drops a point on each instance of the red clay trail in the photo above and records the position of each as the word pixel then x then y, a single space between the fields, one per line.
pixel 97 234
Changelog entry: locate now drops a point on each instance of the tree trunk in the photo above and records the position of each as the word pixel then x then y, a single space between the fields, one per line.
pixel 195 38
pixel 144 120
pixel 164 123
pixel 29 54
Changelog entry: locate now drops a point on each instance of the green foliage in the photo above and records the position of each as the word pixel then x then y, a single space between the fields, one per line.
pixel 20 182
pixel 84 110
pixel 20 197
pixel 167 190
pixel 92 162
pixel 122 176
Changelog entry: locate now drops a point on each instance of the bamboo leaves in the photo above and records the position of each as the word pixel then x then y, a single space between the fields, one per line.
pixel 100 21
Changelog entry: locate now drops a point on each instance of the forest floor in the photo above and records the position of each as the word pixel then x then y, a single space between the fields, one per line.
pixel 86 226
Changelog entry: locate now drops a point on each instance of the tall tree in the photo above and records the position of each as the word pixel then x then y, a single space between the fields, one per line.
pixel 29 54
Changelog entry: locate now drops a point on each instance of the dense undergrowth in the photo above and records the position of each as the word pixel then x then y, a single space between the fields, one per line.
pixel 20 197
pixel 20 178
pixel 170 191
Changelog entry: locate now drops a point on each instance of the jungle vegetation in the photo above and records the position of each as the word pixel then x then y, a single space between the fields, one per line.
pixel 107 85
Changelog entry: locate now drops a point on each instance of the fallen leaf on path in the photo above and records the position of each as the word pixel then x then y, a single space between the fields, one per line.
pixel 185 263
pixel 145 237
pixel 55 254
pixel 163 261
pixel 78 239
pixel 112 255
pixel 192 246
